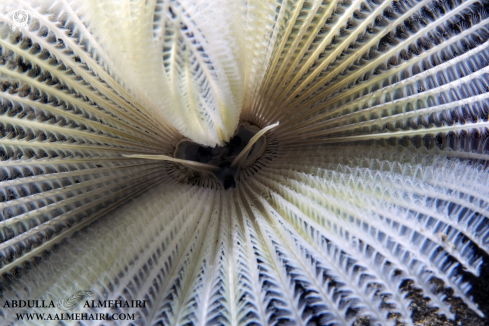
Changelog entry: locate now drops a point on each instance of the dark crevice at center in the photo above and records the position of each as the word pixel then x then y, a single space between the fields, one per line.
pixel 223 156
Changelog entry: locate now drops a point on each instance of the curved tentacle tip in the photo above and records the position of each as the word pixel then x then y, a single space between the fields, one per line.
pixel 222 162
pixel 203 167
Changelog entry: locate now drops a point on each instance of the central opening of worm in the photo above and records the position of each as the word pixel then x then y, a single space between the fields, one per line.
pixel 224 163
pixel 227 159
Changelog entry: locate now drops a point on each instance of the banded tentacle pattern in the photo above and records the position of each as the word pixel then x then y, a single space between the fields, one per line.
pixel 376 174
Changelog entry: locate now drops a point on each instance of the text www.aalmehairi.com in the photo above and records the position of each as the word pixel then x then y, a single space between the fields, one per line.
pixel 76 316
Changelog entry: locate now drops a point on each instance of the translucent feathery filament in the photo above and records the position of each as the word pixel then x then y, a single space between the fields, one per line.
pixel 194 165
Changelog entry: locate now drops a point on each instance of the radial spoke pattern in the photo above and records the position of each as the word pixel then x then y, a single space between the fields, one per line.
pixel 299 242
pixel 375 174
pixel 64 123
pixel 377 70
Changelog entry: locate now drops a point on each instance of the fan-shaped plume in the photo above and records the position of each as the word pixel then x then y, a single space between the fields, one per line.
pixel 141 159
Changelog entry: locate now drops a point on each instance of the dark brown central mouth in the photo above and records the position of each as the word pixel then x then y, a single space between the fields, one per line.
pixel 222 163
pixel 226 159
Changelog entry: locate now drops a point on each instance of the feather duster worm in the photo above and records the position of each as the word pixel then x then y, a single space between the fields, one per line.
pixel 376 176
